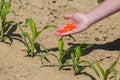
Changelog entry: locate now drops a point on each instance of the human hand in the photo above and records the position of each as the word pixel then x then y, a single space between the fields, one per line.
pixel 80 20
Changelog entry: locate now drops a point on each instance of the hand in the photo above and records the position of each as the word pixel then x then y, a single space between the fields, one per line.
pixel 80 20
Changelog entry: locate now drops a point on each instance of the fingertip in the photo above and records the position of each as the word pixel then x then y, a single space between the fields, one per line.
pixel 68 16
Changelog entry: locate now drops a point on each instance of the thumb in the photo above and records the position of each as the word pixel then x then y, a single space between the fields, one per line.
pixel 68 16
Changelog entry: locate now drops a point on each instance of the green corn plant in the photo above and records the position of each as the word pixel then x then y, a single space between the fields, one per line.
pixel 30 40
pixel 111 69
pixel 75 53
pixel 62 53
pixel 76 57
pixel 100 1
pixel 5 9
pixel 61 58
pixel 62 62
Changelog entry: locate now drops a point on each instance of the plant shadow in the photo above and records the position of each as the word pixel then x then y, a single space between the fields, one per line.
pixel 68 68
pixel 40 50
pixel 48 66
pixel 11 35
pixel 109 46
pixel 87 74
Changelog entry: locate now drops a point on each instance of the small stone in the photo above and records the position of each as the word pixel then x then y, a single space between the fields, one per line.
pixel 97 39
pixel 53 1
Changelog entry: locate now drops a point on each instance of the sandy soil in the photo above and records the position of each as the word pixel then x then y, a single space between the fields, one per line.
pixel 14 65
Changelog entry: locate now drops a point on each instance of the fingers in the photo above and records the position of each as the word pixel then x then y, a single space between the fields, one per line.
pixel 68 16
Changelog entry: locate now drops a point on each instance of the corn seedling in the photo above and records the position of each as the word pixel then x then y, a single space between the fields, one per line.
pixel 111 69
pixel 62 61
pixel 5 9
pixel 75 55
pixel 29 41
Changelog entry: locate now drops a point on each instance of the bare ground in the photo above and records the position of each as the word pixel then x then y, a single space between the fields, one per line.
pixel 14 65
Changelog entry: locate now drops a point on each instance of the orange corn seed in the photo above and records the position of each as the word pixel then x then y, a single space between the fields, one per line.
pixel 67 27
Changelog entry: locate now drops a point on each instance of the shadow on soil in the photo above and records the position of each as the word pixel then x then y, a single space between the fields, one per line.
pixel 11 35
pixel 87 74
pixel 110 46
pixel 68 68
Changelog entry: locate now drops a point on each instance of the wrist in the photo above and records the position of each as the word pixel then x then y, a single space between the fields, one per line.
pixel 90 18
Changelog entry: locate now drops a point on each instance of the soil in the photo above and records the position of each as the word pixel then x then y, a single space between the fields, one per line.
pixel 104 35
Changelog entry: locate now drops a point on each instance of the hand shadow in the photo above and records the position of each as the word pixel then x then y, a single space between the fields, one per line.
pixel 109 46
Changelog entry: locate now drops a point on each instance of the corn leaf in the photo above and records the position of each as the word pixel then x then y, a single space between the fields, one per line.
pixel 44 47
pixel 39 32
pixel 1 4
pixel 66 63
pixel 21 29
pixel 14 13
pixel 44 56
pixel 60 44
pixel 7 7
pixel 25 34
pixel 92 66
pixel 32 25
pixel 101 69
pixel 48 26
pixel 3 15
pixel 73 58
pixel 69 50
pixel 27 46
pixel 2 0
pixel 78 51
pixel 108 71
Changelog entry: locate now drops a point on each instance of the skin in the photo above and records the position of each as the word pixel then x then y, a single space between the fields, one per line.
pixel 84 21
